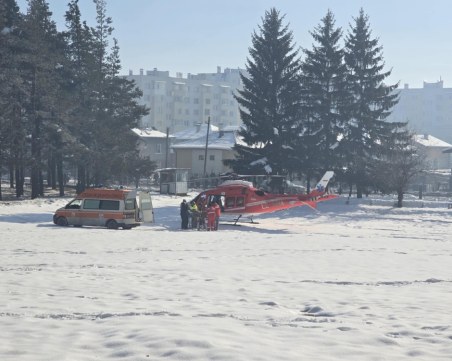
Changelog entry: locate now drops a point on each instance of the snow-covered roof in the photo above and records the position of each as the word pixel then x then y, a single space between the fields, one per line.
pixel 217 140
pixel 231 128
pixel 195 132
pixel 149 133
pixel 428 140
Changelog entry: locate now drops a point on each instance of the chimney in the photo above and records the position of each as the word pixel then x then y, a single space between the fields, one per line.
pixel 426 136
pixel 141 71
pixel 218 69
pixel 130 72
pixel 198 127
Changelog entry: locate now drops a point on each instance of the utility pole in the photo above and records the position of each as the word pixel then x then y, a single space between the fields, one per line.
pixel 207 143
pixel 167 147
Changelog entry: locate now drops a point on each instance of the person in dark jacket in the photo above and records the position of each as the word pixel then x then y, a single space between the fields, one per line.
pixel 184 213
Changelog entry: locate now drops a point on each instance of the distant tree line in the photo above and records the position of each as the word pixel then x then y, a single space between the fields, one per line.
pixel 324 111
pixel 62 103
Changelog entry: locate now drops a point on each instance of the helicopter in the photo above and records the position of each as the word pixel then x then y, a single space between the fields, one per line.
pixel 240 197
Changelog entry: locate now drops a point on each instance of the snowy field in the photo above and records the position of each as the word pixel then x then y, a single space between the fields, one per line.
pixel 360 281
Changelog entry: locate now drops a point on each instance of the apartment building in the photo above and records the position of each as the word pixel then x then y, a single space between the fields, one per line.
pixel 182 102
pixel 428 110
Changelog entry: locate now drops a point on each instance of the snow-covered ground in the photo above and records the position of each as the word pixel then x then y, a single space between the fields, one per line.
pixel 358 281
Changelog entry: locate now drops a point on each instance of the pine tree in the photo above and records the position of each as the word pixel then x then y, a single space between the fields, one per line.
pixel 270 103
pixel 115 108
pixel 324 94
pixel 12 137
pixel 367 130
pixel 40 64
pixel 122 115
pixel 83 84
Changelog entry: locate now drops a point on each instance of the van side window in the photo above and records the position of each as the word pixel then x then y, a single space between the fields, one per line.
pixel 130 204
pixel 91 204
pixel 109 205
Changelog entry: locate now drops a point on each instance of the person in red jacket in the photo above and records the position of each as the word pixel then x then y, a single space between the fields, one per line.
pixel 217 214
pixel 211 218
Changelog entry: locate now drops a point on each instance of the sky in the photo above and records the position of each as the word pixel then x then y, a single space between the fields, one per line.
pixel 348 281
pixel 197 36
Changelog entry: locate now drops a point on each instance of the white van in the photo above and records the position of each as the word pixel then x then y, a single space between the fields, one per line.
pixel 111 208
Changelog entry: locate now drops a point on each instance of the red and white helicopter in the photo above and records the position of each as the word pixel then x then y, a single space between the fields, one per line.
pixel 239 197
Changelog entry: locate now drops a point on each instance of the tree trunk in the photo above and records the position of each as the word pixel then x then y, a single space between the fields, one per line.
pixel 52 172
pixel 35 143
pixel 399 198
pixel 81 179
pixel 11 175
pixel 359 191
pixel 60 174
pixel 19 181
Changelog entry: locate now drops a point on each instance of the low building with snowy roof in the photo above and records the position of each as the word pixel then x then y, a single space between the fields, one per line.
pixel 196 132
pixel 155 145
pixel 433 149
pixel 436 176
pixel 190 150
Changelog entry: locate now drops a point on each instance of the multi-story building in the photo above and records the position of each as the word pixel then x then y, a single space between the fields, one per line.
pixel 428 110
pixel 178 103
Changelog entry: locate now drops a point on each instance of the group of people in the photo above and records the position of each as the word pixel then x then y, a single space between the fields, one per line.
pixel 200 216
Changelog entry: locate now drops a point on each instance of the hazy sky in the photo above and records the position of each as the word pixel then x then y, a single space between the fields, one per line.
pixel 196 36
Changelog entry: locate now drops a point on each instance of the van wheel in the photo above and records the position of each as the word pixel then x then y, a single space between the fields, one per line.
pixel 62 221
pixel 112 224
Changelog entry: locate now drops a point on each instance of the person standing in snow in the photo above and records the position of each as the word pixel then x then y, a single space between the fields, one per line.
pixel 210 217
pixel 217 214
pixel 194 214
pixel 184 214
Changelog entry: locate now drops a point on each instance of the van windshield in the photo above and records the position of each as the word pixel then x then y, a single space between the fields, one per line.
pixel 75 204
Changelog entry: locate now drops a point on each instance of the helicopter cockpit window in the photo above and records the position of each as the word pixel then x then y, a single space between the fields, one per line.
pixel 240 201
pixel 229 202
pixel 259 193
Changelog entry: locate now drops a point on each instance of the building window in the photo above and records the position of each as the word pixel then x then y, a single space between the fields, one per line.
pixel 206 111
pixel 207 101
pixel 200 157
pixel 211 157
pixel 158 148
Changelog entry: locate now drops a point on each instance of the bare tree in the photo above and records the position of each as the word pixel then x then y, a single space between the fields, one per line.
pixel 397 169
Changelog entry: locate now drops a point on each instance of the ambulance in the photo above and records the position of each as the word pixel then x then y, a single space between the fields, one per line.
pixel 111 208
